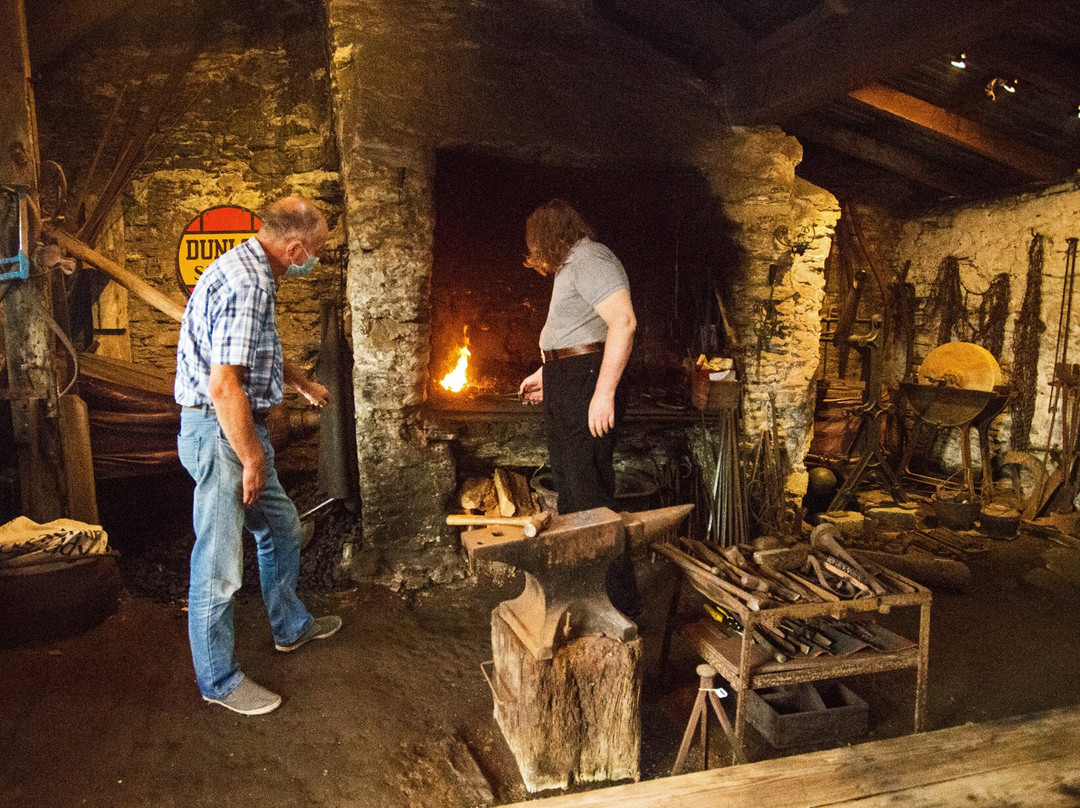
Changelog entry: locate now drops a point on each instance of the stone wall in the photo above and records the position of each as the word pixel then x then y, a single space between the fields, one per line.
pixel 781 231
pixel 549 83
pixel 991 238
pixel 250 121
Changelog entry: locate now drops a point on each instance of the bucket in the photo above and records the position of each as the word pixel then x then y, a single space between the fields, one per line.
pixel 955 513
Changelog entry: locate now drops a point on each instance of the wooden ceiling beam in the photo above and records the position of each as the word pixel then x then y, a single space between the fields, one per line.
pixel 825 55
pixel 1026 159
pixel 871 150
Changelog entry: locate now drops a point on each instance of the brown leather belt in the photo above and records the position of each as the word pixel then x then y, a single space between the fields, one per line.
pixel 574 350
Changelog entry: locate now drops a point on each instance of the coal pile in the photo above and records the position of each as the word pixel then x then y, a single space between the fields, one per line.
pixel 155 544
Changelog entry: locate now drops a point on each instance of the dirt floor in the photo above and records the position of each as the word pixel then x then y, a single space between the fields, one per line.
pixel 394 711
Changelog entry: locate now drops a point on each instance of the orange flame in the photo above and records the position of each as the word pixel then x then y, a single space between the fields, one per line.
pixel 456 380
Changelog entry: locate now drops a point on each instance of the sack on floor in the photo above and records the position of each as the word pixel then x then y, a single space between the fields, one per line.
pixel 24 542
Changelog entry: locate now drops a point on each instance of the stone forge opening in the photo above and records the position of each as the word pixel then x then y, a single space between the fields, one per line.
pixel 652 217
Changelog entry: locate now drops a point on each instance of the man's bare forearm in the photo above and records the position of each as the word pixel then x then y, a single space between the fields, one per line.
pixel 620 341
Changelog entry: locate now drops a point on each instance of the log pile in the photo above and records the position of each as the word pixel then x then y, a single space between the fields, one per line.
pixel 504 494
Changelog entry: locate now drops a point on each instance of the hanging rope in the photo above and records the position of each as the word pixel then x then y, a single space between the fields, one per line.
pixel 1029 329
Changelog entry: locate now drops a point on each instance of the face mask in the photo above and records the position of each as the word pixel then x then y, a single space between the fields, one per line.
pixel 300 270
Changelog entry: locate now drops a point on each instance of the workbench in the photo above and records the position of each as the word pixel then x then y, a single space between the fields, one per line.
pixel 746 666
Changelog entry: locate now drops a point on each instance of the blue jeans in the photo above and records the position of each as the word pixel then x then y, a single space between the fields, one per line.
pixel 217 568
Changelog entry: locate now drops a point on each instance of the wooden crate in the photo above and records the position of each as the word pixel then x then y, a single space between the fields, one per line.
pixel 808 714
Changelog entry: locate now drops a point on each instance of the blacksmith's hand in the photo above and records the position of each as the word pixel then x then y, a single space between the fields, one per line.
pixel 601 414
pixel 315 393
pixel 531 390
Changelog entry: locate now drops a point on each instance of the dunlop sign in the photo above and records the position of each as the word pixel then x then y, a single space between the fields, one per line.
pixel 211 233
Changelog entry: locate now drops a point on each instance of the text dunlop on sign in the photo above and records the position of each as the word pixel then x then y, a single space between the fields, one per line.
pixel 210 234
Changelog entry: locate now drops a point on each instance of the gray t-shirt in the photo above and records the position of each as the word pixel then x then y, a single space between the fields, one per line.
pixel 590 276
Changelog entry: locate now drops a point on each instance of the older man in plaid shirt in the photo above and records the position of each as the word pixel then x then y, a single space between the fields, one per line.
pixel 229 373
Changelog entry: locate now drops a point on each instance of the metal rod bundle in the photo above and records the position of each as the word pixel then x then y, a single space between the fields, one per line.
pixel 727 517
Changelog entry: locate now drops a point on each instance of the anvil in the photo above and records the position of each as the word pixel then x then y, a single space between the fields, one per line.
pixel 565 566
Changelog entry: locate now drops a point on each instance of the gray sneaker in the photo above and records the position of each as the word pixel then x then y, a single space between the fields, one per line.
pixel 320 629
pixel 249 698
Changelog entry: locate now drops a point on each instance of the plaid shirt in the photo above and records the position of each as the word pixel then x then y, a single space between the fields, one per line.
pixel 230 320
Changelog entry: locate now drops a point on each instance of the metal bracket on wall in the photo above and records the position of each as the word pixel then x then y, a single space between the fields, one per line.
pixel 21 259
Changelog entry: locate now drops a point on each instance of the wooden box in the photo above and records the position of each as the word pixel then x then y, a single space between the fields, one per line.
pixel 811 714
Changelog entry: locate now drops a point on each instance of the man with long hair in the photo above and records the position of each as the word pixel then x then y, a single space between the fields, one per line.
pixel 585 345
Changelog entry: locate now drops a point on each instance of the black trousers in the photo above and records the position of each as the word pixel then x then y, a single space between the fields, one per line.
pixel 582 466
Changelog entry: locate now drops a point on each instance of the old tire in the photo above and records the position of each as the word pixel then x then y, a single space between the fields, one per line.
pixel 47 601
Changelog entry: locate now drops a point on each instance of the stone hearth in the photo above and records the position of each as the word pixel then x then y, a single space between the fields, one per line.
pixel 416 80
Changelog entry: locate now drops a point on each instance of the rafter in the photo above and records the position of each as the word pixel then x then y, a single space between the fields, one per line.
pixel 1024 158
pixel 825 55
pixel 870 150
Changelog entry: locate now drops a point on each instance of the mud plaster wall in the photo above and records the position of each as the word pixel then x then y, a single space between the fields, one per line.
pixel 547 82
pixel 250 122
pixel 991 238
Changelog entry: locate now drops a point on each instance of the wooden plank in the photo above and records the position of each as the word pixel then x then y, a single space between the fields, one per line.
pixel 129 280
pixel 899 161
pixel 78 460
pixel 1045 784
pixel 18 125
pixel 833 776
pixel 1022 157
pixel 127 374
pixel 825 55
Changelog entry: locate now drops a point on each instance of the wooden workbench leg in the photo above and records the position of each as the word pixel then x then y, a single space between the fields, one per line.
pixel 669 628
pixel 924 664
pixel 738 753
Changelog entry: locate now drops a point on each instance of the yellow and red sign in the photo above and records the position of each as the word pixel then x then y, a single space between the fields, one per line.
pixel 210 234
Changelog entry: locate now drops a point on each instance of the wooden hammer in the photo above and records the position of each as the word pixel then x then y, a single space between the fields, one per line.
pixel 530 524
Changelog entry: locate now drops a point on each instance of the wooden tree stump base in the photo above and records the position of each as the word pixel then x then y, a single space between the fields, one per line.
pixel 575 718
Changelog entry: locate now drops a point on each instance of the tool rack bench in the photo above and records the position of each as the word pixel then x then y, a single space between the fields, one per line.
pixel 747 666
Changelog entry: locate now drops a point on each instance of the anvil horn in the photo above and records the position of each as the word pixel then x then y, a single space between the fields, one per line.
pixel 645 527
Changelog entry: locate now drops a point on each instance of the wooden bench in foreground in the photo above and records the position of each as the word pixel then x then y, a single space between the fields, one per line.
pixel 1024 762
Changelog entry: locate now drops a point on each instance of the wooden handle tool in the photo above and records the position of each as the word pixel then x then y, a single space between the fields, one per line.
pixel 532 525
